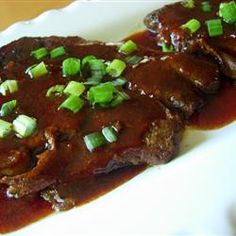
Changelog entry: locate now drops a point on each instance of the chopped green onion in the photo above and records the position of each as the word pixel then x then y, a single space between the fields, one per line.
pixel 37 70
pixel 57 52
pixel 166 48
pixel 106 95
pixel 206 7
pixel 72 103
pixel 8 107
pixel 39 53
pixel 101 94
pixel 188 3
pixel 214 27
pixel 128 47
pixel 133 60
pixel 74 88
pixel 71 66
pixel 192 25
pixel 92 81
pixel 119 98
pixel 24 125
pixel 5 128
pixel 227 11
pixel 116 68
pixel 110 134
pixel 56 90
pixel 10 86
pixel 87 59
pixel 94 140
pixel 97 70
pixel 119 82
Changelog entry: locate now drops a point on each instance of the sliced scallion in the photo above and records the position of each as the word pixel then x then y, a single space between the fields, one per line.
pixel 188 3
pixel 87 59
pixel 192 25
pixel 227 11
pixel 39 53
pixel 56 90
pixel 166 48
pixel 72 103
pixel 71 66
pixel 119 98
pixel 128 47
pixel 37 70
pixel 94 140
pixel 92 81
pixel 101 94
pixel 9 86
pixel 97 69
pixel 214 27
pixel 110 134
pixel 5 128
pixel 74 88
pixel 24 126
pixel 133 60
pixel 57 52
pixel 7 108
pixel 206 7
pixel 119 82
pixel 116 68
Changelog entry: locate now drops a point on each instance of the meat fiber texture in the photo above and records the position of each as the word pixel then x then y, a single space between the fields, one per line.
pixel 166 24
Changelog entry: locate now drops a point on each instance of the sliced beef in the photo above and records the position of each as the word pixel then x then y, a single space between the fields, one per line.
pixel 170 90
pixel 15 162
pixel 150 123
pixel 224 56
pixel 58 152
pixel 41 176
pixel 151 139
pixel 166 24
pixel 199 70
pixel 156 78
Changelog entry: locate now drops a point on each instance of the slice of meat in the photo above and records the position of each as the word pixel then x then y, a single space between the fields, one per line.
pixel 15 162
pixel 166 24
pixel 149 134
pixel 199 70
pixel 226 58
pixel 41 176
pixel 170 89
pixel 158 142
pixel 152 139
pixel 157 78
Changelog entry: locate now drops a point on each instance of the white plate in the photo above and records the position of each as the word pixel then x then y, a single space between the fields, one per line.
pixel 194 194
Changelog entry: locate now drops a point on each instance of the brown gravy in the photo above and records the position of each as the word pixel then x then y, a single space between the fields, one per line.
pixel 16 213
pixel 220 109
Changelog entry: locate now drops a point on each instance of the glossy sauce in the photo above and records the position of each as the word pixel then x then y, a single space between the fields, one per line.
pixel 17 213
pixel 64 162
pixel 145 39
pixel 220 110
pixel 166 22
pixel 14 214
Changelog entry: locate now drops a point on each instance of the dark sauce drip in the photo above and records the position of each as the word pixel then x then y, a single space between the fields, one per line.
pixel 145 39
pixel 17 213
pixel 219 111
